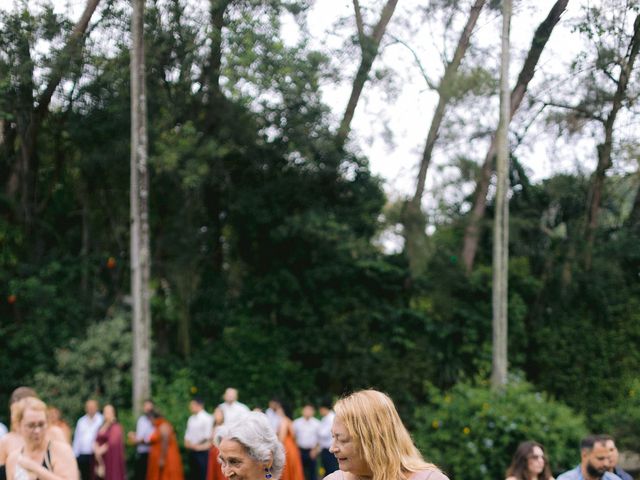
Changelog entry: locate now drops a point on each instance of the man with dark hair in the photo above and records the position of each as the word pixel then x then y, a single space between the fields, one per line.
pixel 140 438
pixel 329 461
pixel 197 439
pixel 594 461
pixel 613 458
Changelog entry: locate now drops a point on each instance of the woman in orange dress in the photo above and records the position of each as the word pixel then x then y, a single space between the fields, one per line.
pixel 293 462
pixel 164 455
pixel 214 469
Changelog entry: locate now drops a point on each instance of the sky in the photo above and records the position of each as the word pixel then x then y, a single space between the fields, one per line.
pixel 393 116
pixel 408 116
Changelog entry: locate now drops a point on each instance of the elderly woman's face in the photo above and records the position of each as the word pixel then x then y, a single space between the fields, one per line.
pixel 237 464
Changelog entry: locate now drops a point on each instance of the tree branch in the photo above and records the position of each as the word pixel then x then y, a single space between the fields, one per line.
pixel 576 108
pixel 362 37
pixel 425 76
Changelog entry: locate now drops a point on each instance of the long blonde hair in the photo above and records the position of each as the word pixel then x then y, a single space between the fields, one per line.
pixel 18 408
pixel 372 421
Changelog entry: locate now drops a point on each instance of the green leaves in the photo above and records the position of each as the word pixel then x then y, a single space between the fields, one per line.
pixel 471 432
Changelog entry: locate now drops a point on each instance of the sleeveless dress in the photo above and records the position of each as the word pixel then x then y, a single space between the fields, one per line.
pixel 113 458
pixel 21 474
pixel 172 469
pixel 214 469
pixel 292 462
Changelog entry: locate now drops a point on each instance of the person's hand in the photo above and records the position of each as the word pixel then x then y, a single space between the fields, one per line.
pixel 28 464
pixel 131 438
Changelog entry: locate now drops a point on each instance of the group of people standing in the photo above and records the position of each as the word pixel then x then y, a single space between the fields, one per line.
pixel 305 439
pixel 362 437
pixel 598 461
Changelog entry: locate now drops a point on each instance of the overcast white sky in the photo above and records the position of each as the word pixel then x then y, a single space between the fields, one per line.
pixel 410 114
pixel 403 107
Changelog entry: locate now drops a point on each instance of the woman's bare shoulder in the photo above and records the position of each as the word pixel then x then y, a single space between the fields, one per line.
pixel 337 475
pixel 431 474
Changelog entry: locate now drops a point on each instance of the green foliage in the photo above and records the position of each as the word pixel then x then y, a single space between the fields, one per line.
pixel 96 364
pixel 471 431
pixel 623 419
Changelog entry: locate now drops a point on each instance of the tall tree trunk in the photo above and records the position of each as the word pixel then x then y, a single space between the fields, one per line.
pixel 444 92
pixel 140 253
pixel 604 149
pixel 26 169
pixel 217 10
pixel 540 39
pixel 369 45
pixel 414 222
pixel 633 220
pixel 501 220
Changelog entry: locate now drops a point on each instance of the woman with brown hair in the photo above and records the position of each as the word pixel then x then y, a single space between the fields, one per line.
pixel 529 463
pixel 370 441
pixel 109 447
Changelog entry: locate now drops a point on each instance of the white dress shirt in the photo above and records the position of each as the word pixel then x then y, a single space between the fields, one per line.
pixel 199 428
pixel 306 431
pixel 324 432
pixel 3 430
pixel 274 419
pixel 144 429
pixel 233 411
pixel 86 433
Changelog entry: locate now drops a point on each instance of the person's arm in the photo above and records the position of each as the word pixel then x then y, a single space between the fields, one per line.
pixel 165 432
pixel 76 438
pixel 282 430
pixel 315 451
pixel 63 463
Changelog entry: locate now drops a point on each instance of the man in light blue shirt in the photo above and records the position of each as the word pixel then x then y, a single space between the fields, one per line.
pixel 140 438
pixel 595 461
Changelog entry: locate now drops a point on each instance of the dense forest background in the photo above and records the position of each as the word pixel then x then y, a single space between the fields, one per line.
pixel 269 266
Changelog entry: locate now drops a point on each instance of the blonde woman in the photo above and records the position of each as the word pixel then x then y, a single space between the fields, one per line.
pixel 370 442
pixel 39 457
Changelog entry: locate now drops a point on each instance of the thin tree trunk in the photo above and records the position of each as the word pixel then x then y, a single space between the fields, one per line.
pixel 633 220
pixel 140 253
pixel 444 91
pixel 369 46
pixel 540 39
pixel 217 10
pixel 604 149
pixel 414 222
pixel 501 220
pixel 28 143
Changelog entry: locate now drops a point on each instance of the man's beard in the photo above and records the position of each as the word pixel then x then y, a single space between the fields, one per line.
pixel 593 472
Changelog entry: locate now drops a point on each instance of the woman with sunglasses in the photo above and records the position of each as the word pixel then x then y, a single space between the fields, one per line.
pixel 529 463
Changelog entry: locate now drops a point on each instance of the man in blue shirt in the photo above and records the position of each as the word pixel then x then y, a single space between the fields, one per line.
pixel 595 461
pixel 613 457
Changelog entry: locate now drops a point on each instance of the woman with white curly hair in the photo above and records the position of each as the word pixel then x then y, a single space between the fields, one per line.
pixel 249 449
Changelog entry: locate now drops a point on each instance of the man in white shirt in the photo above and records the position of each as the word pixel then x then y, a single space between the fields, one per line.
pixel 231 408
pixel 197 439
pixel 84 436
pixel 328 459
pixel 306 430
pixel 140 438
pixel 274 418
